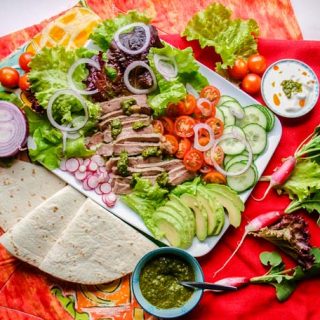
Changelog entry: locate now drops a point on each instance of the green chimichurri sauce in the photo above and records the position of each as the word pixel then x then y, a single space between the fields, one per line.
pixel 159 282
pixel 289 87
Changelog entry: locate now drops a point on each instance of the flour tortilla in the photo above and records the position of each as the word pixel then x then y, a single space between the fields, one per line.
pixel 32 237
pixel 22 188
pixel 95 248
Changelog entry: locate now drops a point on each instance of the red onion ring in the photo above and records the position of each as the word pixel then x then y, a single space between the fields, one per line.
pixel 163 68
pixel 132 25
pixel 250 156
pixel 72 70
pixel 197 145
pixel 132 89
pixel 13 129
pixel 205 112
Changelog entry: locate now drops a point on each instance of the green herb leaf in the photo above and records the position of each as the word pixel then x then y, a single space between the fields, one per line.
pixel 270 258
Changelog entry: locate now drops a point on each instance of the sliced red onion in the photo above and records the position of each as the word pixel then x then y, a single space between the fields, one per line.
pixel 167 66
pixel 192 90
pixel 250 156
pixel 72 70
pixel 126 80
pixel 196 129
pixel 57 125
pixel 205 112
pixel 130 26
pixel 13 129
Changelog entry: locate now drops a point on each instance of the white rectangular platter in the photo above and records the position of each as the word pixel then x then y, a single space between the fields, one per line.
pixel 126 214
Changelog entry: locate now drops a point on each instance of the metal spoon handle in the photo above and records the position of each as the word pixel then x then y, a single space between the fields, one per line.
pixel 207 286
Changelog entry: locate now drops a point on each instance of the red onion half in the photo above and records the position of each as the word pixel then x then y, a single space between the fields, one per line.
pixel 13 129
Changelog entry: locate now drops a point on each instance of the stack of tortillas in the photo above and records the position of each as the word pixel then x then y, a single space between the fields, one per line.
pixel 64 233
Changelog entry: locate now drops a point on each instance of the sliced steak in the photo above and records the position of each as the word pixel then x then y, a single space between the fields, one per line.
pixel 133 161
pixel 180 176
pixel 144 172
pixel 133 148
pixel 105 150
pixel 112 114
pixel 166 165
pixel 136 117
pixel 137 137
pixel 127 123
pixel 115 104
pixel 95 139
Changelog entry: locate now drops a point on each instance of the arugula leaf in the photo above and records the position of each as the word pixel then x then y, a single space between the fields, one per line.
pixel 304 180
pixel 231 38
pixel 174 90
pixel 102 36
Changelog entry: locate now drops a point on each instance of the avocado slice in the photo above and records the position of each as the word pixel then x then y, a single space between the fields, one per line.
pixel 219 216
pixel 229 201
pixel 200 213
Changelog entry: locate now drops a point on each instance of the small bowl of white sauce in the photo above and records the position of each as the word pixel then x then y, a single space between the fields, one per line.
pixel 290 88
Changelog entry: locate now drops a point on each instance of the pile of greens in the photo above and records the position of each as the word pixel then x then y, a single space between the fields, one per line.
pixel 48 74
pixel 231 38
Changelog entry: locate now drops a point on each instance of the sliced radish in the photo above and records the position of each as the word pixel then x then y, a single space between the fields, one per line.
pixel 72 165
pixel 63 165
pixel 85 185
pixel 102 169
pixel 105 188
pixel 98 191
pixel 92 166
pixel 109 199
pixel 98 160
pixel 80 161
pixel 103 177
pixel 86 162
pixel 81 175
pixel 93 181
pixel 82 168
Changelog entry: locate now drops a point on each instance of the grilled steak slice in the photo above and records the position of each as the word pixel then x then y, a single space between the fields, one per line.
pixel 144 172
pixel 136 117
pixel 137 137
pixel 115 104
pixel 105 150
pixel 179 176
pixel 126 132
pixel 133 148
pixel 95 139
pixel 112 114
pixel 166 165
pixel 127 123
pixel 122 185
pixel 133 161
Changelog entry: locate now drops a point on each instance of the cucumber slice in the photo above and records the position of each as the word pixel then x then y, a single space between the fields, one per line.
pixel 233 146
pixel 229 119
pixel 253 115
pixel 257 137
pixel 219 115
pixel 243 181
pixel 269 115
pixel 239 158
pixel 225 98
pixel 235 108
pixel 227 158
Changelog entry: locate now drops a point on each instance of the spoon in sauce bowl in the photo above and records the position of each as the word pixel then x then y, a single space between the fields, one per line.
pixel 207 286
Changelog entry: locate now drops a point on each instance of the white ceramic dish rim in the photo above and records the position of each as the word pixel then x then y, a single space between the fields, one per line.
pixel 277 111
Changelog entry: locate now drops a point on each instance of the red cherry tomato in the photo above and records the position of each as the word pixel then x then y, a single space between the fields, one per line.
pixel 173 109
pixel 214 177
pixel 239 69
pixel 189 105
pixel 184 147
pixel 193 160
pixel 173 143
pixel 211 93
pixel 216 125
pixel 24 60
pixel 24 82
pixel 184 126
pixel 203 110
pixel 218 155
pixel 9 77
pixel 168 125
pixel 158 126
pixel 251 83
pixel 257 64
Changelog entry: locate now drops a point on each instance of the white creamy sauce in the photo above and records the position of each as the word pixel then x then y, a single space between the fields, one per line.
pixel 300 102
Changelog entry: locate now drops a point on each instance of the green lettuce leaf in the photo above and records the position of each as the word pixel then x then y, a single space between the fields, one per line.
pixel 190 187
pixel 174 90
pixel 102 36
pixel 231 38
pixel 48 142
pixel 304 180
pixel 145 199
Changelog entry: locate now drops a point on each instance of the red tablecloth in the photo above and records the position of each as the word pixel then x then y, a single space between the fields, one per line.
pixel 258 301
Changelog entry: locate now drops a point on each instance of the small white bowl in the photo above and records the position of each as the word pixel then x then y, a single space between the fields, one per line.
pixel 288 69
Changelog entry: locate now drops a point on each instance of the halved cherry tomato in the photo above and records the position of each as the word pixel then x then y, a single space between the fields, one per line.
pixel 158 126
pixel 216 125
pixel 24 60
pixel 184 126
pixel 214 177
pixel 251 83
pixel 188 106
pixel 168 125
pixel 218 155
pixel 203 110
pixel 184 147
pixel 24 83
pixel 173 143
pixel 211 93
pixel 193 160
pixel 207 157
pixel 9 77
pixel 257 63
pixel 203 140
pixel 174 109
pixel 239 69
